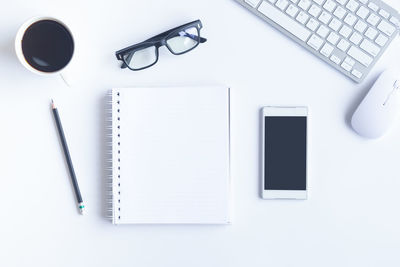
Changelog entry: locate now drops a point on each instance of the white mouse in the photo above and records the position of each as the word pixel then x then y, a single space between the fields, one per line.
pixel 380 108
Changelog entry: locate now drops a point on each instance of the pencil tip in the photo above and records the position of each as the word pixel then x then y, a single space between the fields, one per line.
pixel 53 106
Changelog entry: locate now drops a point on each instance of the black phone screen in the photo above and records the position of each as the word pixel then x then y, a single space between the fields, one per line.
pixel 285 153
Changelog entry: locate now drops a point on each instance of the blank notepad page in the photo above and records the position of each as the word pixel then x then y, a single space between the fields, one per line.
pixel 171 155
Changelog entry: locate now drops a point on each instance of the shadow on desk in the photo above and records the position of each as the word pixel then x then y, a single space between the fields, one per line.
pixel 7 51
pixel 357 101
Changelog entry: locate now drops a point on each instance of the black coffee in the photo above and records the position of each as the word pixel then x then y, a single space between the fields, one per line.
pixel 47 46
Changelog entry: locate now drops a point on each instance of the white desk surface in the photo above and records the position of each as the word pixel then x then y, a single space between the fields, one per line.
pixel 350 219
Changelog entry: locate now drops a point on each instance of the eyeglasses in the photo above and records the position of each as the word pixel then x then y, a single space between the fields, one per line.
pixel 178 40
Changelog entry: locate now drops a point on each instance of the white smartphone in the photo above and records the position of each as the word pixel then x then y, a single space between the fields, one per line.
pixel 284 135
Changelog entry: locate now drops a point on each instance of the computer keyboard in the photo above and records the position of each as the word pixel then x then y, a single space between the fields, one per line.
pixel 350 35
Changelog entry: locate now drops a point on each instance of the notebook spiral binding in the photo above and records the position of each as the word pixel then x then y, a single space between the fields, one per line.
pixel 112 127
pixel 108 158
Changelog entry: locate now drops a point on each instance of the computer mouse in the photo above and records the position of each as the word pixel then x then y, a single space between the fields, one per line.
pixel 380 108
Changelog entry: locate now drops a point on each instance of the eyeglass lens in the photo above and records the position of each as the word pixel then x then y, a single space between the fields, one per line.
pixel 141 58
pixel 184 40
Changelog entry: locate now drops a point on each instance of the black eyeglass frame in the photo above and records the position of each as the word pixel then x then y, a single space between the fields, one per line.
pixel 159 41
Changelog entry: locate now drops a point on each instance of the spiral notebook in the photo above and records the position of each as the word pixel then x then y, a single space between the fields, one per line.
pixel 170 155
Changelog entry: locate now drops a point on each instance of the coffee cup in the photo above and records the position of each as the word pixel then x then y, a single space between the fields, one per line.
pixel 44 45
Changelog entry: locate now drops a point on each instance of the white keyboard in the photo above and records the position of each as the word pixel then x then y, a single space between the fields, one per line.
pixel 350 35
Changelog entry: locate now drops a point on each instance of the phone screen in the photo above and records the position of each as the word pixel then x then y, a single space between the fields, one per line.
pixel 285 153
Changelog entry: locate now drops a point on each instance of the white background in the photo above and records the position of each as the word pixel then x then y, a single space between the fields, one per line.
pixel 350 219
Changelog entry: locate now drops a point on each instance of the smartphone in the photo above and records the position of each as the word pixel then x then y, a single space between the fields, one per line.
pixel 284 135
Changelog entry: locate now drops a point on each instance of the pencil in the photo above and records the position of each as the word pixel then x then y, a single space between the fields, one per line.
pixel 78 195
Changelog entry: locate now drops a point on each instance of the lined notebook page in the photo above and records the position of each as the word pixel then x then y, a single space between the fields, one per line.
pixel 174 155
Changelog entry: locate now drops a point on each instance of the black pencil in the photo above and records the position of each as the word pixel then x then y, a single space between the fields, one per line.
pixel 81 206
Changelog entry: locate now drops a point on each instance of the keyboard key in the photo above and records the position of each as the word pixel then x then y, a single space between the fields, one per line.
pixel 272 1
pixel 371 33
pixel 346 66
pixel 282 4
pixel 373 19
pixel 342 2
pixel 304 4
pixel 330 5
pixel 314 10
pixel 352 5
pixel 319 2
pixel 360 56
pixel 395 21
pixel 312 24
pixel 357 73
pixel 384 13
pixel 364 2
pixel 360 26
pixel 370 47
pixel 315 42
pixel 327 50
pixel 339 12
pixel 325 17
pixel 381 40
pixel 323 31
pixel 349 61
pixel 253 3
pixel 373 6
pixel 355 38
pixel 333 38
pixel 302 17
pixel 286 22
pixel 294 1
pixel 335 24
pixel 386 28
pixel 343 45
pixel 336 59
pixel 292 11
pixel 345 31
pixel 350 19
pixel 363 12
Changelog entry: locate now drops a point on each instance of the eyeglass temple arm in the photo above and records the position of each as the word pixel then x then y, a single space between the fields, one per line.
pixel 158 36
pixel 202 40
pixel 128 59
pixel 164 34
